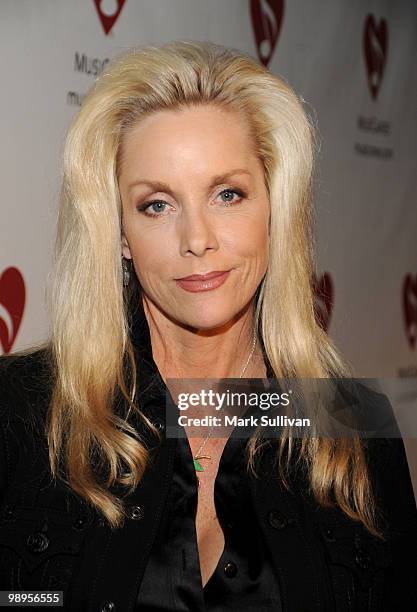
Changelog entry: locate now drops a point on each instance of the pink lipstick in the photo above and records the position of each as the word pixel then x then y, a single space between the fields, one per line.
pixel 203 282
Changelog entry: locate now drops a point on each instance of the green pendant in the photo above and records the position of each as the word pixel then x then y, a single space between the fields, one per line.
pixel 198 466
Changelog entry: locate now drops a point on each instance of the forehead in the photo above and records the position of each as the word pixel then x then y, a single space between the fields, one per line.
pixel 200 137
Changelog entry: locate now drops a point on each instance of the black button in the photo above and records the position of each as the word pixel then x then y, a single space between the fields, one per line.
pixel 160 426
pixel 109 606
pixel 362 559
pixel 277 520
pixel 8 512
pixel 230 524
pixel 37 542
pixel 230 569
pixel 80 522
pixel 329 535
pixel 136 512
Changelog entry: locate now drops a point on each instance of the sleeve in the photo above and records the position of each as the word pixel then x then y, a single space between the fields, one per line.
pixel 3 463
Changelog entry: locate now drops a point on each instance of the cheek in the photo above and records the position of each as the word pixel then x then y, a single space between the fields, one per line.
pixel 250 238
pixel 152 257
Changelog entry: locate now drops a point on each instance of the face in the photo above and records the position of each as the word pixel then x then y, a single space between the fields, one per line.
pixel 194 201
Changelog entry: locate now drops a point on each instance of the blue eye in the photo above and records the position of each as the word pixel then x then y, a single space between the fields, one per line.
pixel 232 191
pixel 160 206
pixel 147 205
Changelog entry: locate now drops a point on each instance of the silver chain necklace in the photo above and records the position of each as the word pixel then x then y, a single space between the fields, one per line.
pixel 196 458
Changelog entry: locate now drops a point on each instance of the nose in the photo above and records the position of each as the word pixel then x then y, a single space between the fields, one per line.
pixel 197 233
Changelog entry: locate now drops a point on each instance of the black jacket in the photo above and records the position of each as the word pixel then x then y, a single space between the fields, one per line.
pixel 51 540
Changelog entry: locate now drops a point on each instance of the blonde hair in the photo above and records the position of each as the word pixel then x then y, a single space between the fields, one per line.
pixel 90 344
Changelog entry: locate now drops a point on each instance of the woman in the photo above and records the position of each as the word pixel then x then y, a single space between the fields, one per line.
pixel 184 251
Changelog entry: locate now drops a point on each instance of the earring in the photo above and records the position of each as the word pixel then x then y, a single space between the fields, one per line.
pixel 126 272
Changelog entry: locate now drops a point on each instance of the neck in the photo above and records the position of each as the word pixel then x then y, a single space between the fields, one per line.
pixel 182 352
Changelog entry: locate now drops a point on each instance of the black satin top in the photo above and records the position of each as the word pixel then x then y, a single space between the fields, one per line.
pixel 244 578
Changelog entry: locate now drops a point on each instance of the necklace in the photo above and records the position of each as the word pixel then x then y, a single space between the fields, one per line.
pixel 196 459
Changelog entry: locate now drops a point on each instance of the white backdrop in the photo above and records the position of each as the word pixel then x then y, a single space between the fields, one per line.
pixel 354 64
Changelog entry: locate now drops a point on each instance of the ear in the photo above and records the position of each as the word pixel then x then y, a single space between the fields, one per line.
pixel 125 248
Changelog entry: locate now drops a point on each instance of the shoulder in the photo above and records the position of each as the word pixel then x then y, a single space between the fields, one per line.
pixel 385 451
pixel 361 405
pixel 25 391
pixel 25 384
pixel 391 481
pixel 381 437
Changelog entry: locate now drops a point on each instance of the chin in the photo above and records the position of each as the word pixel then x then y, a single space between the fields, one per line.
pixel 206 321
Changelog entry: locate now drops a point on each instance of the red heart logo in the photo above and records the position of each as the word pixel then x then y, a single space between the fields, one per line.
pixel 266 18
pixel 108 12
pixel 410 308
pixel 323 299
pixel 375 48
pixel 12 304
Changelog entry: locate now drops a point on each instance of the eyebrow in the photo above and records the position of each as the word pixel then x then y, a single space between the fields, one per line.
pixel 160 186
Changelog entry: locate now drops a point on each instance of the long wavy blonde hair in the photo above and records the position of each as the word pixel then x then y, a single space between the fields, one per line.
pixel 92 352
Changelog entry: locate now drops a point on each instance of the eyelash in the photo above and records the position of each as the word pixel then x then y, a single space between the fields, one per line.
pixel 143 207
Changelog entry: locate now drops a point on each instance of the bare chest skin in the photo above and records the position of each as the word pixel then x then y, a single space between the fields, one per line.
pixel 210 536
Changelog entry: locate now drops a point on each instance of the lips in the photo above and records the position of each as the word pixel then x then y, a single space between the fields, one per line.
pixel 203 282
pixel 201 277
